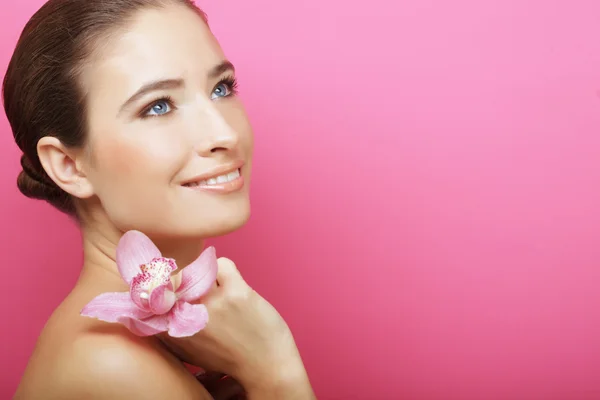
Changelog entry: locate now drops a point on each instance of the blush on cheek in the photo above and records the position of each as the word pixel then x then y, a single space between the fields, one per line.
pixel 136 162
pixel 111 156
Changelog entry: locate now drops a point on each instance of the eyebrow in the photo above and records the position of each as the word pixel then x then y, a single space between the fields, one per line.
pixel 218 70
pixel 165 84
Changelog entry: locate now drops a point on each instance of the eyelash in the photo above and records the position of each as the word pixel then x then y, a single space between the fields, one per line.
pixel 230 81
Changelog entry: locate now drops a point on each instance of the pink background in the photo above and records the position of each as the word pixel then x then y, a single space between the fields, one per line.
pixel 426 199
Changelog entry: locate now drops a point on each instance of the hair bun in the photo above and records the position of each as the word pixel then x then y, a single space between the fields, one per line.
pixel 32 183
pixel 30 187
pixel 37 185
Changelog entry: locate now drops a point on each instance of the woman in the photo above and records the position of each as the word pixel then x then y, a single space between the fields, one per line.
pixel 127 116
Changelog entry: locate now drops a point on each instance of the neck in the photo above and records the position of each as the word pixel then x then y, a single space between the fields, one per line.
pixel 101 236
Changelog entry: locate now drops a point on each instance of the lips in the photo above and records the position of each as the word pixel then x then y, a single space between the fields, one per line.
pixel 217 180
pixel 217 175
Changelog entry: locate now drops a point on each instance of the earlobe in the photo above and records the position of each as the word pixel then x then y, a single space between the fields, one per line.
pixel 60 163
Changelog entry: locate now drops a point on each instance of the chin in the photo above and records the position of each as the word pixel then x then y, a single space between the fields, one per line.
pixel 198 220
pixel 219 223
pixel 227 225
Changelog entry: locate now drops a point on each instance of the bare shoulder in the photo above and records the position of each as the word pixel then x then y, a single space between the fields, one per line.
pixel 79 358
pixel 123 367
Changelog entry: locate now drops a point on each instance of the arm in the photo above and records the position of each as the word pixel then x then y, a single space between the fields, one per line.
pixel 287 379
pixel 289 387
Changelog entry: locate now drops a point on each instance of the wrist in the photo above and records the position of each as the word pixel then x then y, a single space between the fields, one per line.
pixel 282 366
pixel 280 375
pixel 281 355
pixel 288 380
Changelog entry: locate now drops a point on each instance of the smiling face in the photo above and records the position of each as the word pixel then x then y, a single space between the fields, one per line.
pixel 169 150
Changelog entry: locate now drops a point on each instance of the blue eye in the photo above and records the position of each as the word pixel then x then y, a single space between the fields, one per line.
pixel 222 90
pixel 227 87
pixel 160 107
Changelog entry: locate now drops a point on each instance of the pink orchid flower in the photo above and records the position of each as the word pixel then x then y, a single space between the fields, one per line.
pixel 157 301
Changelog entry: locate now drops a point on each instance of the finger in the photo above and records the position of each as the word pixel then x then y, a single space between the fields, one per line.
pixel 228 274
pixel 213 292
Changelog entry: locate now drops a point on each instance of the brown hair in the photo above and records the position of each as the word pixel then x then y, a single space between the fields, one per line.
pixel 41 92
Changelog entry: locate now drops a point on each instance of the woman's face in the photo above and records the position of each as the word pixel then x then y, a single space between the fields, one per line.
pixel 170 144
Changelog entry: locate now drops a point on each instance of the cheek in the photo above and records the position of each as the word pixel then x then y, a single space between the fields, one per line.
pixel 133 179
pixel 120 165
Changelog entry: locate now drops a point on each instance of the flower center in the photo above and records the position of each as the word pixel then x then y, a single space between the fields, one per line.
pixel 155 273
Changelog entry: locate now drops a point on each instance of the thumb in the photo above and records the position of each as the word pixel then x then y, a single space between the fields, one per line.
pixel 228 274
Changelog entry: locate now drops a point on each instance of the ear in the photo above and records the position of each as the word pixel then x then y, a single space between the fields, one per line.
pixel 62 166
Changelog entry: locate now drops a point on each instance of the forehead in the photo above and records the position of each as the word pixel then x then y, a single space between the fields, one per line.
pixel 171 42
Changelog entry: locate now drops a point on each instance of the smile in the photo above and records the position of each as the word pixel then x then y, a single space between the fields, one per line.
pixel 225 178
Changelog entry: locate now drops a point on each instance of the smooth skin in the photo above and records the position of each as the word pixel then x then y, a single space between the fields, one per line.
pixel 131 175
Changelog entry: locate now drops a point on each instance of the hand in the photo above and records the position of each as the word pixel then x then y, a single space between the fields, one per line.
pixel 245 336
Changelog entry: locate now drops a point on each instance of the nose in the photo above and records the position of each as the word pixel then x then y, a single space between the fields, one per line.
pixel 216 134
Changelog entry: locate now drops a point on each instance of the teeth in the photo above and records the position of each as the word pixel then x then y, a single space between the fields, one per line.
pixel 233 175
pixel 218 180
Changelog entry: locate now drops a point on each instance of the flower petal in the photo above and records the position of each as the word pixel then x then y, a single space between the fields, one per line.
pixel 110 307
pixel 199 276
pixel 146 327
pixel 133 250
pixel 162 299
pixel 187 319
pixel 119 308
